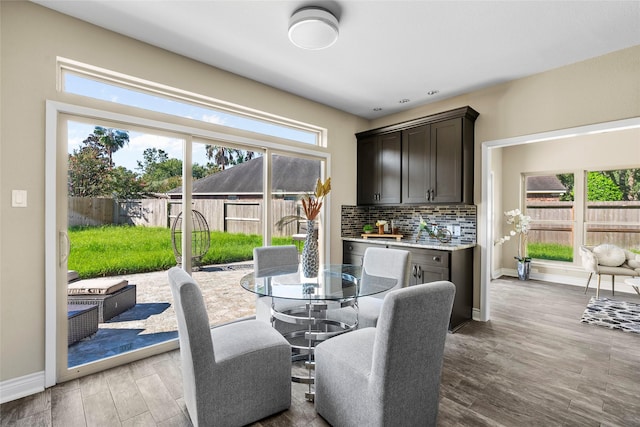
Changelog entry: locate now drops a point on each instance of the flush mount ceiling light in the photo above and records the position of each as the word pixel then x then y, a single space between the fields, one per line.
pixel 313 28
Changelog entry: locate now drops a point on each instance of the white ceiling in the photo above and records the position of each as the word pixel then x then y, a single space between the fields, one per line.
pixel 387 50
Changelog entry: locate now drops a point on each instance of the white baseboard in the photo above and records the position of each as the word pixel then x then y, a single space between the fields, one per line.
pixel 20 387
pixel 574 280
pixel 475 315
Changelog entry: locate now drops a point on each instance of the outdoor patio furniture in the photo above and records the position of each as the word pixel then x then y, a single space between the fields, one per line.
pixel 82 321
pixel 112 296
pixel 200 238
pixel 72 276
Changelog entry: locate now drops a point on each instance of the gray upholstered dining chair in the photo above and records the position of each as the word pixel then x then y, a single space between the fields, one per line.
pixel 382 262
pixel 266 257
pixel 390 374
pixel 233 374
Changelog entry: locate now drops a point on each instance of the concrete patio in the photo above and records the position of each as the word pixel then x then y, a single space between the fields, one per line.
pixel 153 320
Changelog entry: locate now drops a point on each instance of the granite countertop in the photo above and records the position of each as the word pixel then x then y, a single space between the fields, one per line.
pixel 451 246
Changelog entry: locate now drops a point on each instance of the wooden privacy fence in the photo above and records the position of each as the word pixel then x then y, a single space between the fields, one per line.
pixel 617 223
pixel 233 216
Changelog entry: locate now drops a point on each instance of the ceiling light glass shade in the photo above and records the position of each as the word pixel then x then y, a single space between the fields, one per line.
pixel 313 28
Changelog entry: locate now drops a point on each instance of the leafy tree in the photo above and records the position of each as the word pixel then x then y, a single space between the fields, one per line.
pixel 126 184
pixel 567 180
pixel 627 180
pixel 601 188
pixel 88 172
pixel 160 173
pixel 198 171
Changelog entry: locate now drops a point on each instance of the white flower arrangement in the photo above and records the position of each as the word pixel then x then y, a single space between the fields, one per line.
pixel 521 226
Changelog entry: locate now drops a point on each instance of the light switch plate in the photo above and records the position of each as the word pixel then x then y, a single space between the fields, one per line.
pixel 19 198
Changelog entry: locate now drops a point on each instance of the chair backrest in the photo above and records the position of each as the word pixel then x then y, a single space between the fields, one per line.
pixel 274 256
pixel 408 351
pixel 383 262
pixel 196 344
pixel 589 260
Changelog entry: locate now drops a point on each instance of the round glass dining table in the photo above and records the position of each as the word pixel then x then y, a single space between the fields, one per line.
pixel 322 307
pixel 335 282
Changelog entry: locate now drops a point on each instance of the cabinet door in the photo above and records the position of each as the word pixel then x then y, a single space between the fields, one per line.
pixel 368 183
pixel 416 158
pixel 446 161
pixel 428 273
pixel 389 171
pixel 353 252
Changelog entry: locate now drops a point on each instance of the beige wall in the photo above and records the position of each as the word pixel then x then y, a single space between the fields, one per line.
pixel 602 89
pixel 32 37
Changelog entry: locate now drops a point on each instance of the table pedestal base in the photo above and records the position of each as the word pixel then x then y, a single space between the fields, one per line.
pixel 315 326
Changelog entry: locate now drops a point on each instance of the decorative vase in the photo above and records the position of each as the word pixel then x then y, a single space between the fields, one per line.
pixel 524 267
pixel 310 256
pixel 381 229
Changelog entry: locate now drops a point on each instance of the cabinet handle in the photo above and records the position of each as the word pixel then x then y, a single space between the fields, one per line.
pixel 419 272
pixel 436 258
pixel 415 271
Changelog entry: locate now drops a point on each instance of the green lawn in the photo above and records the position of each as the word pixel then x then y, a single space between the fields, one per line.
pixel 550 251
pixel 116 250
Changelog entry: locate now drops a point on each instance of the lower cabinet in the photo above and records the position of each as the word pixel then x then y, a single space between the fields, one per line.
pixel 430 265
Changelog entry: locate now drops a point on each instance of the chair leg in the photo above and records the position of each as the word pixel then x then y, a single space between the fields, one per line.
pixel 598 290
pixel 635 288
pixel 613 285
pixel 588 281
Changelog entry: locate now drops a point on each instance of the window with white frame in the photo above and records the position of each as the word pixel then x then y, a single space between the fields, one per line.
pixel 102 84
pixel 613 208
pixel 550 205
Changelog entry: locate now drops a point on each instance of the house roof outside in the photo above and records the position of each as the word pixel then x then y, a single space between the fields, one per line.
pixel 545 184
pixel 291 175
pixel 547 187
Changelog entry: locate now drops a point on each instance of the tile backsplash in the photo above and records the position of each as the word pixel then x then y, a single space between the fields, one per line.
pixel 407 219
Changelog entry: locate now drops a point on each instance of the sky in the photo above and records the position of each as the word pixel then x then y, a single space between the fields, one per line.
pixel 129 155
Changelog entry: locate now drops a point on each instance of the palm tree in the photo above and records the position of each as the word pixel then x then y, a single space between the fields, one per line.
pixel 111 139
pixel 222 156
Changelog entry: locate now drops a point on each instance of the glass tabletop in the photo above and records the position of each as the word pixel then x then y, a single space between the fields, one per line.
pixel 334 282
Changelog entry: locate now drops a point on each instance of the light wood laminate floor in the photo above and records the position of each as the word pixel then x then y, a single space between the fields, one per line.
pixel 534 363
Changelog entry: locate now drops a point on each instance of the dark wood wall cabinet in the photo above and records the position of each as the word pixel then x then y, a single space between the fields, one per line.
pixel 429 265
pixel 426 160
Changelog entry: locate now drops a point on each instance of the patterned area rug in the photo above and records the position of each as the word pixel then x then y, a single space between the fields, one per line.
pixel 613 314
